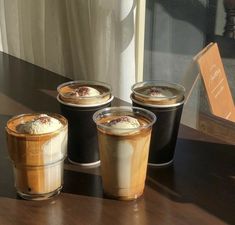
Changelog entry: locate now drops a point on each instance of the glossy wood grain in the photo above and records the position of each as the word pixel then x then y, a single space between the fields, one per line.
pixel 198 189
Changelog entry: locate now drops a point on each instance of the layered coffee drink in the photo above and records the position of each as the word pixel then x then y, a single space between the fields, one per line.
pixel 79 100
pixel 166 101
pixel 37 145
pixel 124 137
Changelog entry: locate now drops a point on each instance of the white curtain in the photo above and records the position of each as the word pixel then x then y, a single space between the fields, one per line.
pixel 81 39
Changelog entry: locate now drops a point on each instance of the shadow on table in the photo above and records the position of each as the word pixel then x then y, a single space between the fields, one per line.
pixel 75 182
pixel 28 86
pixel 81 183
pixel 6 172
pixel 7 188
pixel 202 174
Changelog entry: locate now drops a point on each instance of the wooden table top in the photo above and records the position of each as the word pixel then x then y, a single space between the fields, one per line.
pixel 198 189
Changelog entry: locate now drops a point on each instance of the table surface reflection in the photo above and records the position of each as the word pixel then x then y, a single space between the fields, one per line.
pixel 198 188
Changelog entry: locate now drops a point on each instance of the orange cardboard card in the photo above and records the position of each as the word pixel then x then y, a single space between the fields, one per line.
pixel 216 83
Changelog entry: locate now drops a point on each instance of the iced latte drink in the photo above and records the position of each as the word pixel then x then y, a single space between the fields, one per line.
pixel 124 137
pixel 37 145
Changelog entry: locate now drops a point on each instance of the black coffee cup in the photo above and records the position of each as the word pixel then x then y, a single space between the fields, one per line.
pixel 166 101
pixel 82 132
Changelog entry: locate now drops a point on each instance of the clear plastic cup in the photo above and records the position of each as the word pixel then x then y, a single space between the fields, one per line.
pixel 38 182
pixel 124 151
pixel 37 159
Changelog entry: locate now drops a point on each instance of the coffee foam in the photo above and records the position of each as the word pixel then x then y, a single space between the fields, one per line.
pixel 122 125
pixel 123 122
pixel 84 93
pixel 40 124
pixel 157 95
pixel 159 92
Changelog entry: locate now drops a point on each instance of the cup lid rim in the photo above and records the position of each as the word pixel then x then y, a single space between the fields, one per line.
pixel 65 124
pixel 159 83
pixel 127 108
pixel 158 105
pixel 86 82
pixel 81 105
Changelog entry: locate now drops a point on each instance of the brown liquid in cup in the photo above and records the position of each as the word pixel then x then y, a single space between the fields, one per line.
pixel 124 160
pixel 37 159
pixel 38 180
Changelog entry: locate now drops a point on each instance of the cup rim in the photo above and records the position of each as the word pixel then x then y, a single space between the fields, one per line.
pixel 86 82
pixel 157 105
pixel 125 109
pixel 177 86
pixel 83 106
pixel 54 115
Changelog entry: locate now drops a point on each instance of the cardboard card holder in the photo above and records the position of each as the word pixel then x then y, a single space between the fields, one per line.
pixel 216 83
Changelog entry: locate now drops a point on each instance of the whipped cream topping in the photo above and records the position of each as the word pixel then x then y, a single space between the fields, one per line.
pixel 84 91
pixel 124 122
pixel 40 125
pixel 159 92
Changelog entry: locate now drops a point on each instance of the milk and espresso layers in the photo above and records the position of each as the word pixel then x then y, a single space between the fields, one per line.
pixel 124 136
pixel 79 100
pixel 37 145
pixel 166 101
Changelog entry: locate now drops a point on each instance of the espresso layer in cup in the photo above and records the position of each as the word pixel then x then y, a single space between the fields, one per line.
pixel 36 142
pixel 124 150
pixel 84 93
pixel 28 148
pixel 38 179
